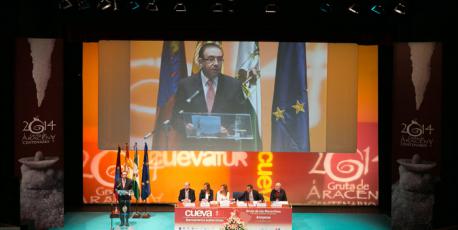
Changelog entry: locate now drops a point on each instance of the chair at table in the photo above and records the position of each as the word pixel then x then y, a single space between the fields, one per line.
pixel 236 195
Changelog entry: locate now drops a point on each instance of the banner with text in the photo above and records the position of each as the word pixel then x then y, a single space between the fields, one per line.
pixel 38 130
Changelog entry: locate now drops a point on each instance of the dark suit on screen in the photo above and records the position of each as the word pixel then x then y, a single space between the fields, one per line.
pixel 229 99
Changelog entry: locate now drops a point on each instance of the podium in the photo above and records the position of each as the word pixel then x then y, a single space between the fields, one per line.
pixel 115 211
pixel 217 131
pixel 124 192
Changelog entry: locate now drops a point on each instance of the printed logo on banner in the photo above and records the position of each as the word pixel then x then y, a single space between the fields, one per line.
pixel 198 213
pixel 346 185
pixel 416 134
pixel 159 160
pixel 37 131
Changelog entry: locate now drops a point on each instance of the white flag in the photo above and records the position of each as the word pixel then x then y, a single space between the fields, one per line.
pixel 248 71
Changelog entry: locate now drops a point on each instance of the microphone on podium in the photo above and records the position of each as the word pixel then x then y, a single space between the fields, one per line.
pixel 166 122
pixel 192 96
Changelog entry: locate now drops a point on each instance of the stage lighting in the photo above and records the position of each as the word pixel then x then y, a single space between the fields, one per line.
pixel 271 8
pixel 326 7
pixel 83 5
pixel 217 7
pixel 230 6
pixel 65 4
pixel 134 5
pixel 104 4
pixel 151 5
pixel 400 8
pixel 180 7
pixel 115 5
pixel 354 8
pixel 377 8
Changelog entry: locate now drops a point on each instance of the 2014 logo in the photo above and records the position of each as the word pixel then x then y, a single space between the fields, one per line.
pixel 415 134
pixel 38 131
pixel 415 129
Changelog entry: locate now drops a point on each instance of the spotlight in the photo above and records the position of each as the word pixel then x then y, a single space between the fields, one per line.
pixel 354 8
pixel 152 6
pixel 325 7
pixel 377 8
pixel 134 5
pixel 104 4
pixel 217 8
pixel 400 9
pixel 180 7
pixel 65 4
pixel 271 8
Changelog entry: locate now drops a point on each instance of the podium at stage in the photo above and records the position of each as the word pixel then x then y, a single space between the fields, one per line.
pixel 217 131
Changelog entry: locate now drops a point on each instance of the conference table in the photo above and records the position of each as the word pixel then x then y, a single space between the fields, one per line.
pixel 224 215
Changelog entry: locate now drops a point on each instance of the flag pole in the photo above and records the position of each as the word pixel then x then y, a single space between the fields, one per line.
pixel 136 213
pixel 146 189
pixel 146 214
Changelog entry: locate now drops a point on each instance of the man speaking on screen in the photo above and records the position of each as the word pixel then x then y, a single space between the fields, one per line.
pixel 209 92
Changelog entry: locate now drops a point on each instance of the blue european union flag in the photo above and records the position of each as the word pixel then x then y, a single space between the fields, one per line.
pixel 173 68
pixel 290 116
pixel 146 187
pixel 117 171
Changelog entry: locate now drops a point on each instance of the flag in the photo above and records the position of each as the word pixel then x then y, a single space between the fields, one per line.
pixel 128 163
pixel 135 174
pixel 248 72
pixel 195 62
pixel 146 188
pixel 117 172
pixel 290 117
pixel 173 68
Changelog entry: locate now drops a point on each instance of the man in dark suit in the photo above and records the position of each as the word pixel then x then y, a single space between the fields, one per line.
pixel 124 190
pixel 278 193
pixel 187 194
pixel 206 193
pixel 251 195
pixel 211 92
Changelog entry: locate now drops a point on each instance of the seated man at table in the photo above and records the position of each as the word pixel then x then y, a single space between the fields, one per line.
pixel 187 194
pixel 278 193
pixel 251 195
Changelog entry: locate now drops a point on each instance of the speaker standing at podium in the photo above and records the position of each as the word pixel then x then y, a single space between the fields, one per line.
pixel 124 190
pixel 211 92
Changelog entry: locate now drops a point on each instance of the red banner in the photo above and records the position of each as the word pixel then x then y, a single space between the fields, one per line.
pixel 217 217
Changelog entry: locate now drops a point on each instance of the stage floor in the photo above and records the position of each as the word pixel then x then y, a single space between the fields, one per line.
pixel 164 220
